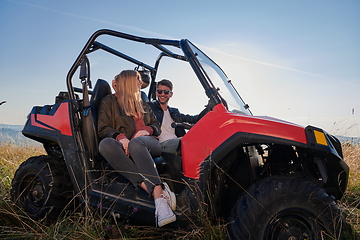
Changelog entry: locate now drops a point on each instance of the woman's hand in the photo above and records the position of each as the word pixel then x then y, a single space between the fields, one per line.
pixel 141 133
pixel 125 144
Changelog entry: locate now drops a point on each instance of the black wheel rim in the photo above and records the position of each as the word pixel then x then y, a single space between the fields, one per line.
pixel 32 193
pixel 292 224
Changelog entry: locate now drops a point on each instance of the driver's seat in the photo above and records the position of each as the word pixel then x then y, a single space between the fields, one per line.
pixel 101 89
pixel 89 121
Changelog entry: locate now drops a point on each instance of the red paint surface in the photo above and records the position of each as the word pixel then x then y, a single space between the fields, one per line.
pixel 218 125
pixel 59 121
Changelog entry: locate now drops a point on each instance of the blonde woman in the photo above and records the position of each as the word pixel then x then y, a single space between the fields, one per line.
pixel 127 127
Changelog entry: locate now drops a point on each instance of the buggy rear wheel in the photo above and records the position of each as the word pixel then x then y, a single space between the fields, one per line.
pixel 41 188
pixel 284 207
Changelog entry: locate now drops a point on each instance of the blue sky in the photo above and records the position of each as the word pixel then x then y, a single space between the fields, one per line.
pixel 294 60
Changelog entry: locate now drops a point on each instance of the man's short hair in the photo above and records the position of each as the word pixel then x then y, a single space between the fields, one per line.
pixel 165 82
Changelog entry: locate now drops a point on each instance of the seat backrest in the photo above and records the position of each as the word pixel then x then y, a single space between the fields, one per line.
pixel 89 117
pixel 144 96
pixel 101 89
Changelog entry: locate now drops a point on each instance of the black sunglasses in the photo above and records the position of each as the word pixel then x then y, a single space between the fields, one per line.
pixel 166 92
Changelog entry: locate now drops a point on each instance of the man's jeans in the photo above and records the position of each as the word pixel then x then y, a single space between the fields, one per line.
pixel 171 145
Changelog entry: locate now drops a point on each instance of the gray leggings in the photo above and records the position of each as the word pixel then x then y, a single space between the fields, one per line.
pixel 140 167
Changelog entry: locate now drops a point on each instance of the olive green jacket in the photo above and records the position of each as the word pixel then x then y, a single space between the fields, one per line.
pixel 112 121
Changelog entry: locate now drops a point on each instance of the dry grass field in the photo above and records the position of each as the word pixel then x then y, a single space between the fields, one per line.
pixel 14 225
pixel 351 200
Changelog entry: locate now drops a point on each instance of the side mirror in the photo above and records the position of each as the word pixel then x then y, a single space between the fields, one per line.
pixel 145 76
pixel 85 71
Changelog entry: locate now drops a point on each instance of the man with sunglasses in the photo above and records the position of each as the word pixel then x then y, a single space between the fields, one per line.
pixel 170 137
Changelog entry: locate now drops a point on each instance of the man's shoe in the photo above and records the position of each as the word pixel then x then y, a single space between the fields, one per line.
pixel 170 197
pixel 163 214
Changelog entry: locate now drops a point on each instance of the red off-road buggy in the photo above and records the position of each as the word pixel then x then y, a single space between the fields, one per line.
pixel 269 178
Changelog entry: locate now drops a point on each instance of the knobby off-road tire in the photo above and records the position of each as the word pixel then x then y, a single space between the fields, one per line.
pixel 41 187
pixel 284 207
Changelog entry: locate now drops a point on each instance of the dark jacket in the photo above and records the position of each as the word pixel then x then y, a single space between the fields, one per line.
pixel 112 121
pixel 176 116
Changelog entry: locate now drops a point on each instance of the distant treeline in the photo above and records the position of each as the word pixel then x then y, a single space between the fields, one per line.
pixel 12 134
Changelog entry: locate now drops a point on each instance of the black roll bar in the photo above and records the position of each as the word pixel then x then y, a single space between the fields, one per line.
pixel 91 46
pixel 119 54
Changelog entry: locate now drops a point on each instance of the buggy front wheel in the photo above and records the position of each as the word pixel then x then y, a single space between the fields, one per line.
pixel 284 207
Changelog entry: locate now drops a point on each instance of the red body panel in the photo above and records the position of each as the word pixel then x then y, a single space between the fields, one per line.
pixel 59 121
pixel 218 125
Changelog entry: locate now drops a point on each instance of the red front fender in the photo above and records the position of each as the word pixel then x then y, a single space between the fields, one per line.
pixel 219 125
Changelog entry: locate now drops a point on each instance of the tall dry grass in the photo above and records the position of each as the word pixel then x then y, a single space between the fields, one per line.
pixel 11 156
pixel 81 224
pixel 15 225
pixel 351 200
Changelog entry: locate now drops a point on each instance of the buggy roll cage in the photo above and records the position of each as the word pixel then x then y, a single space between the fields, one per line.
pixel 93 45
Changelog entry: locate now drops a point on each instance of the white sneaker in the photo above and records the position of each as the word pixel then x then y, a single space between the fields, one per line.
pixel 170 197
pixel 163 213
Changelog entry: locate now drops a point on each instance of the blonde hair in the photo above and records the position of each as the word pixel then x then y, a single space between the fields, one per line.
pixel 128 94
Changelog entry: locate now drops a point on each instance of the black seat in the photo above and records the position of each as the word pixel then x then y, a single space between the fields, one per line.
pixel 160 164
pixel 89 116
pixel 144 96
pixel 101 89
